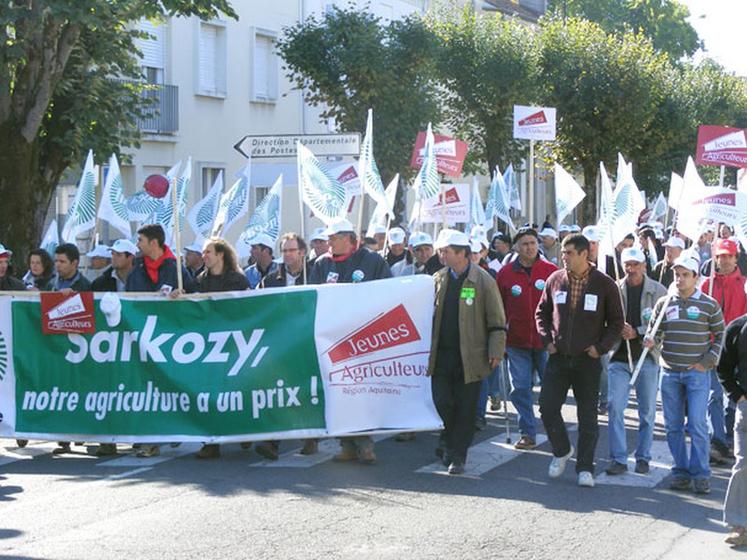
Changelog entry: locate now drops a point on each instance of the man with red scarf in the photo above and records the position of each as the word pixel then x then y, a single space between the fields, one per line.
pixel 155 271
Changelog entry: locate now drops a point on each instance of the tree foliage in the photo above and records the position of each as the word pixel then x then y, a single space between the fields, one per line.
pixel 485 66
pixel 348 62
pixel 663 21
pixel 67 73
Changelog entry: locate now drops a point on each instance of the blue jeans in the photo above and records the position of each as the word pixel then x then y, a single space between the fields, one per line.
pixel 522 362
pixel 691 387
pixel 646 387
pixel 716 411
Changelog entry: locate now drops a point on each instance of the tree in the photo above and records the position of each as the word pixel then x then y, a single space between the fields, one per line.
pixel 664 21
pixel 607 89
pixel 485 65
pixel 66 85
pixel 348 61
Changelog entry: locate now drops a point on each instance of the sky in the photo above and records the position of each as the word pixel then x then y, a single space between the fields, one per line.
pixel 721 25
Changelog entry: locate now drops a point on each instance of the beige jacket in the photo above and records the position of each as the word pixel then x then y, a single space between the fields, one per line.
pixel 482 323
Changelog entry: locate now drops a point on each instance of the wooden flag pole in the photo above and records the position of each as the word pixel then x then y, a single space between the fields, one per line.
pixel 300 206
pixel 177 234
pixel 530 195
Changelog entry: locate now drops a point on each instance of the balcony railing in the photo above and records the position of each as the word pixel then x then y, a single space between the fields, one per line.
pixel 162 114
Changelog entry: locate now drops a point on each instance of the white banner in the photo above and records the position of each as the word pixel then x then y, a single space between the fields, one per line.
pixel 457 205
pixel 374 362
pixel 534 123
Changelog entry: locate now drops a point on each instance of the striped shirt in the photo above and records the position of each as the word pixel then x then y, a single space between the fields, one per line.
pixel 691 332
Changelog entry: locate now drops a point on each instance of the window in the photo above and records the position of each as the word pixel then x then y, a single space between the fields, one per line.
pixel 264 73
pixel 153 50
pixel 259 194
pixel 211 60
pixel 209 175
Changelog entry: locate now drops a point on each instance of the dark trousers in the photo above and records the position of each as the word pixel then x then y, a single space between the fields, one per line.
pixel 582 374
pixel 456 402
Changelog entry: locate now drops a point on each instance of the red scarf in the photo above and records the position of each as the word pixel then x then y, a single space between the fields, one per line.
pixel 152 266
pixel 343 257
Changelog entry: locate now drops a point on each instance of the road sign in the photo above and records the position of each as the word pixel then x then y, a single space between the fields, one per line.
pixel 284 145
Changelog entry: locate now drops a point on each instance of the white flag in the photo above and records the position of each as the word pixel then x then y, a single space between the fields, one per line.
pixel 266 218
pixel 51 238
pixel 676 187
pixel 113 208
pixel 384 212
pixel 164 213
pixel 81 216
pixel 202 215
pixel 477 210
pixel 427 182
pixel 605 207
pixel 141 205
pixel 234 204
pixel 509 178
pixel 497 205
pixel 660 208
pixel 568 193
pixel 627 205
pixel 367 169
pixel 321 191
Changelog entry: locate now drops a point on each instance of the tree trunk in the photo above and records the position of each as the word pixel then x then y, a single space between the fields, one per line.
pixel 25 195
pixel 588 208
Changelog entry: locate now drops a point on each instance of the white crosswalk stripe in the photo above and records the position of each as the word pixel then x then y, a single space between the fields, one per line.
pixel 167 454
pixel 661 461
pixel 13 453
pixel 293 459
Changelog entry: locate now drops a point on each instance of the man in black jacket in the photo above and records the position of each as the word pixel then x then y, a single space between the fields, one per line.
pixel 732 372
pixel 290 272
pixel 156 269
pixel 114 278
pixel 68 278
pixel 8 282
pixel 348 263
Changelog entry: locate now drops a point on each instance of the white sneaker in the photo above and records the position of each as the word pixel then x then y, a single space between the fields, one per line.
pixel 586 479
pixel 557 465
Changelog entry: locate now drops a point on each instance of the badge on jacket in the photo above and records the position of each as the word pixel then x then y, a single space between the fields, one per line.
pixel 358 275
pixel 590 302
pixel 516 290
pixel 467 294
pixel 540 284
pixel 332 277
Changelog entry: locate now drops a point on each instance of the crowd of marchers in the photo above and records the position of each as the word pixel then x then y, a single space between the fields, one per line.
pixel 660 314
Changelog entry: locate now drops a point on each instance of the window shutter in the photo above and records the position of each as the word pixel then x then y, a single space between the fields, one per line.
pixel 208 50
pixel 262 54
pixel 152 48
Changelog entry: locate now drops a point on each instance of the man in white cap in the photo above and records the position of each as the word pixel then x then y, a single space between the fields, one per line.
pixel 664 270
pixel 640 293
pixel 691 334
pixel 264 264
pixel 563 230
pixel 396 251
pixel 379 234
pixel 575 228
pixel 469 338
pixel 114 278
pixel 421 249
pixel 550 245
pixel 319 244
pixel 7 281
pixel 346 263
pixel 193 258
pixel 98 259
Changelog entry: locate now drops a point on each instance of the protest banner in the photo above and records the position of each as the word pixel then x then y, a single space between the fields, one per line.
pixel 450 154
pixel 456 208
pixel 721 145
pixel 240 366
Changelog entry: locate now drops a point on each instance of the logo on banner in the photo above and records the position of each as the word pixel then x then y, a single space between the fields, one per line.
pixel 388 330
pixel 451 196
pixel 721 145
pixel 533 120
pixel 348 174
pixel 67 313
pixel 449 152
pixel 3 356
pixel 723 199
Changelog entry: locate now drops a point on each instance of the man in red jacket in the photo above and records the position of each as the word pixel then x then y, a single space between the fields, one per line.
pixel 729 292
pixel 521 284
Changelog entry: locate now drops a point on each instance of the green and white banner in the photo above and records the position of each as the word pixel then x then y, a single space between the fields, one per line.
pixel 279 363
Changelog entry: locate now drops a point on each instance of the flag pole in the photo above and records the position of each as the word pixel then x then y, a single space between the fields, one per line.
pixel 177 234
pixel 443 206
pixel 300 204
pixel 721 176
pixel 651 334
pixel 530 196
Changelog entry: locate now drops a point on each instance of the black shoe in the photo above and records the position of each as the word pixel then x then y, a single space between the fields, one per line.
pixel 267 450
pixel 602 409
pixel 641 466
pixel 680 483
pixel 719 452
pixel 457 467
pixel 22 443
pixel 62 447
pixel 702 486
pixel 616 468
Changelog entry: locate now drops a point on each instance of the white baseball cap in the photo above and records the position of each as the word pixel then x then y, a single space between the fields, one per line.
pixel 396 236
pixel 686 261
pixel 261 238
pixel 194 247
pixel 100 251
pixel 592 233
pixel 477 244
pixel 124 246
pixel 4 250
pixel 632 254
pixel 340 226
pixel 420 238
pixel 575 228
pixel 448 237
pixel 548 232
pixel 319 235
pixel 478 231
pixel 675 242
pixel 377 230
pixel 564 228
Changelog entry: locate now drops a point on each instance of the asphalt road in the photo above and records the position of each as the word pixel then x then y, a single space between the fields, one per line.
pixel 240 506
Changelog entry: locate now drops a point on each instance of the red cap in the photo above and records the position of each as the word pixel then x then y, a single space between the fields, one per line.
pixel 725 247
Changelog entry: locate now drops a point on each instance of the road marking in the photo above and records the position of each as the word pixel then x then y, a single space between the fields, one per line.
pixel 293 459
pixel 661 461
pixel 13 454
pixel 485 456
pixel 167 454
pixel 128 473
